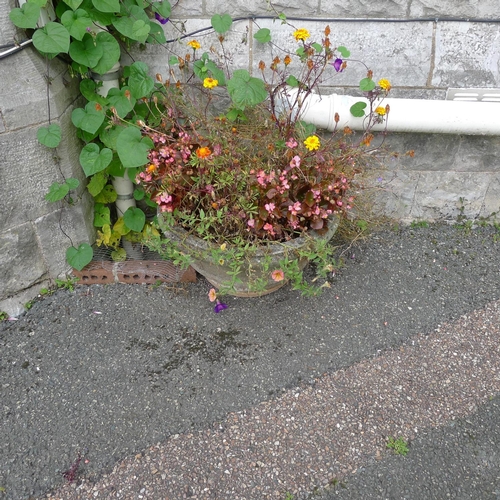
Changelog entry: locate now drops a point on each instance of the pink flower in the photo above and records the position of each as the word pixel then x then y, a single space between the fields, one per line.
pixel 295 161
pixel 269 228
pixel 212 295
pixel 291 143
pixel 269 207
pixel 251 223
pixel 278 275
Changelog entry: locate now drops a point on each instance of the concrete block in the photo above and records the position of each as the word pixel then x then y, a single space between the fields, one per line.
pixel 23 94
pixel 467 55
pixel 442 197
pixel 443 8
pixel 238 8
pixel 61 229
pixel 399 52
pixel 361 8
pixel 21 260
pixel 16 305
pixel 491 204
pixel 187 9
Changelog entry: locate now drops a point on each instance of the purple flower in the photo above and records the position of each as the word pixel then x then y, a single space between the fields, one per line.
pixel 163 20
pixel 220 306
pixel 337 64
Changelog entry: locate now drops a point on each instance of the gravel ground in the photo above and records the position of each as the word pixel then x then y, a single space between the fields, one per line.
pixel 274 395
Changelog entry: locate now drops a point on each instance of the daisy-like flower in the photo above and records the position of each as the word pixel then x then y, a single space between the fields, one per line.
pixel 278 275
pixel 194 44
pixel 210 83
pixel 384 84
pixel 203 152
pixel 212 295
pixel 312 143
pixel 380 110
pixel 301 34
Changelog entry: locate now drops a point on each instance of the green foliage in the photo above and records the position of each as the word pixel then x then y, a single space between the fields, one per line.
pixel 93 159
pixel 3 317
pixel 26 17
pixel 358 109
pixel 58 191
pixel 367 85
pixel 133 148
pixel 79 257
pixel 399 445
pixel 245 90
pixel 221 23
pixel 68 283
pixel 263 35
pixel 52 39
pixel 49 136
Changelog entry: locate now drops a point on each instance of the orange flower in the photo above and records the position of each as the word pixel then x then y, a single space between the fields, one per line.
pixel 278 275
pixel 203 152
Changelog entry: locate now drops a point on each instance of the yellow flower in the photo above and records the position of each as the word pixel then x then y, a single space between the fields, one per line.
pixel 210 83
pixel 384 84
pixel 194 44
pixel 380 110
pixel 301 34
pixel 312 142
pixel 203 152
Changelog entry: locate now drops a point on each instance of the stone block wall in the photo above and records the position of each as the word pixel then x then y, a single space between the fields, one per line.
pixel 423 46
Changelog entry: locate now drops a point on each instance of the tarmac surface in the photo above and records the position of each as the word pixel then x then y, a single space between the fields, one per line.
pixel 108 371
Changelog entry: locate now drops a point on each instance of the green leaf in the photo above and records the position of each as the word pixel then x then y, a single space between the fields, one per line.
pixel 119 100
pixel 102 215
pixel 217 73
pixel 86 52
pixel 246 90
pixel 107 5
pixel 140 30
pixel 115 168
pixel 317 47
pixel 49 136
pixel 97 183
pixel 111 52
pixel 109 136
pixel 292 81
pixel 156 34
pixel 366 84
pixel 134 219
pixel 132 148
pixel 79 257
pixel 74 4
pixel 72 183
pixel 173 60
pixel 57 192
pixel 343 51
pixel 139 82
pixel 88 90
pixel 138 194
pixel 107 195
pixel 130 27
pixel 221 23
pixel 93 160
pixel 263 35
pixel 76 22
pixel 88 119
pixel 163 8
pixel 52 39
pixel 358 109
pixel 26 17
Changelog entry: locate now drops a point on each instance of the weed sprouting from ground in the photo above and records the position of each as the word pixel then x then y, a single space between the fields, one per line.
pixel 399 445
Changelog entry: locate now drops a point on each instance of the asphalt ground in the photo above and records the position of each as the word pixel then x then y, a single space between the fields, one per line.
pixel 106 371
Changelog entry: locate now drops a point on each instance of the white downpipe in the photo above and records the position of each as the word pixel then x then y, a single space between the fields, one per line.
pixel 405 115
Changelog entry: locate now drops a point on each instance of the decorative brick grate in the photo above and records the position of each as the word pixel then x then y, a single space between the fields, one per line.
pixel 150 269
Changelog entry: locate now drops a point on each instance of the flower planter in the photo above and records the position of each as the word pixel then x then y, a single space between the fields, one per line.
pixel 257 268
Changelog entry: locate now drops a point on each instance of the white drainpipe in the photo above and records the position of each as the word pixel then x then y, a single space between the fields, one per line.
pixel 405 115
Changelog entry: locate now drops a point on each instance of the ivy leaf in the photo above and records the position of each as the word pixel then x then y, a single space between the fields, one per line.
pixel 366 84
pixel 107 5
pixel 86 52
pixel 132 148
pixel 87 89
pixel 163 8
pixel 107 195
pixel 263 35
pixel 139 82
pixel 93 160
pixel 343 52
pixel 121 100
pixel 88 119
pixel 97 183
pixel 74 4
pixel 134 219
pixel 72 183
pixel 292 81
pixel 130 27
pixel 102 215
pixel 358 109
pixel 76 22
pixel 221 23
pixel 52 39
pixel 49 136
pixel 109 136
pixel 79 257
pixel 57 192
pixel 26 17
pixel 246 90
